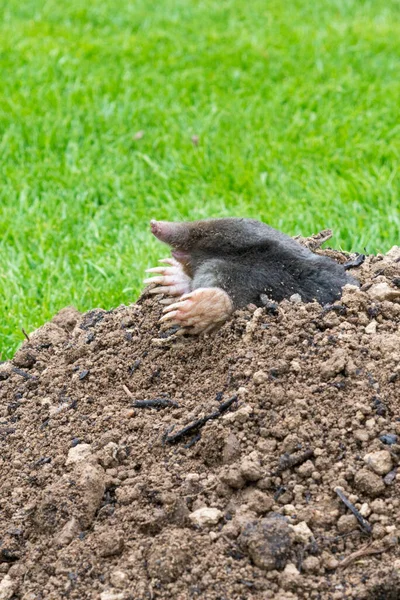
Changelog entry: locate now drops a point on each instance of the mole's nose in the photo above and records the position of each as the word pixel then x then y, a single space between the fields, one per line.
pixel 155 227
pixel 168 232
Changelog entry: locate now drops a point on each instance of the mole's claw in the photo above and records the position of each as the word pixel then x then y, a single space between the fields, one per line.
pixel 186 297
pixel 169 261
pixel 170 280
pixel 167 301
pixel 168 316
pixel 155 270
pixel 159 290
pixel 173 306
pixel 199 311
pixel 164 279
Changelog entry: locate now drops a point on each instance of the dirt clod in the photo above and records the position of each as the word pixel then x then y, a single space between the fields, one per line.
pixel 369 483
pixel 267 542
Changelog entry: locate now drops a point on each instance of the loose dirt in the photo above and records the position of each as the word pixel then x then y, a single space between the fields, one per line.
pixel 290 404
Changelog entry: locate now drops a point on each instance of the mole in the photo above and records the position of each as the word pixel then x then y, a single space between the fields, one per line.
pixel 220 265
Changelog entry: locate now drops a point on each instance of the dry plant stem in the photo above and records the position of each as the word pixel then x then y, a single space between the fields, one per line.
pixel 364 551
pixel 127 391
pixel 25 334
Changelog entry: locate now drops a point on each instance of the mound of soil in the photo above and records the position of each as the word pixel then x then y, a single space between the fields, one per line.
pixel 260 461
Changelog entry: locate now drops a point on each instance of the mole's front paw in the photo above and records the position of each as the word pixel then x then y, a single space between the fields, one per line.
pixel 170 280
pixel 200 311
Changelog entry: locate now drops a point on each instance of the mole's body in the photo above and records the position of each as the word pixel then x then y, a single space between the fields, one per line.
pixel 223 264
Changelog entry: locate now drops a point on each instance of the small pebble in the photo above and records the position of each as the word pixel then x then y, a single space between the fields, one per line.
pixel 329 561
pixel 78 453
pixel 362 435
pixel 302 533
pixel 388 438
pixel 365 510
pixel 380 462
pixel 250 468
pixel 306 469
pixel 311 564
pixel 371 328
pixel 206 516
pixel 260 377
pixel 347 523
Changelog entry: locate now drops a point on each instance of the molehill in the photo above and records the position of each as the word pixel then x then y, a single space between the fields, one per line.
pixel 260 461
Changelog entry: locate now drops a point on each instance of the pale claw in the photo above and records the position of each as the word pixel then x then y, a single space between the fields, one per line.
pixel 165 289
pixel 171 280
pixel 200 311
pixel 168 316
pixel 164 279
pixel 176 266
pixel 169 300
pixel 170 261
pixel 156 270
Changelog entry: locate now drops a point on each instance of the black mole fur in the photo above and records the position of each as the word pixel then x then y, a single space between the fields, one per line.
pixel 247 258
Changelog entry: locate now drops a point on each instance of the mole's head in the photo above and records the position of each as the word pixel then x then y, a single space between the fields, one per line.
pixel 194 241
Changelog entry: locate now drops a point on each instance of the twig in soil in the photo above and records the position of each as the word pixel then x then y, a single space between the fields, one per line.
pixel 127 391
pixel 156 403
pixel 196 425
pixel 249 584
pixel 194 439
pixel 356 262
pixel 151 593
pixel 390 477
pixel 288 461
pixel 338 308
pixel 363 522
pixel 135 366
pixel 25 334
pixel 23 374
pixel 364 551
pixel 43 461
pixel 281 490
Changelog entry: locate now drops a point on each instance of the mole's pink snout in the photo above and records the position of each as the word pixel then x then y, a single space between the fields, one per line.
pixel 155 227
pixel 161 230
pixel 167 232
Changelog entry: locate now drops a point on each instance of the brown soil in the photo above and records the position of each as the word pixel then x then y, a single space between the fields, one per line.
pixel 99 500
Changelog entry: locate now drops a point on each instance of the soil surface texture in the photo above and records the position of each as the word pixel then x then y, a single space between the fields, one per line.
pixel 257 462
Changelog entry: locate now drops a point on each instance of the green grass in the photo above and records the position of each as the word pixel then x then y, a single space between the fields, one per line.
pixel 296 105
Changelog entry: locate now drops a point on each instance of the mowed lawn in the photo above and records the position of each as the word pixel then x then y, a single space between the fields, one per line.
pixel 295 106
